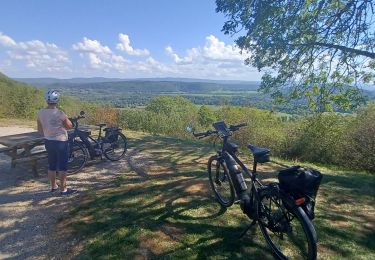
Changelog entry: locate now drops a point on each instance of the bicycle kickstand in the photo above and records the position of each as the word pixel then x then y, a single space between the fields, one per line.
pixel 247 228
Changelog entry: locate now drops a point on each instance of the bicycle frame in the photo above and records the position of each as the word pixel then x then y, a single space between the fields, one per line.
pixel 254 199
pixel 89 142
pixel 232 161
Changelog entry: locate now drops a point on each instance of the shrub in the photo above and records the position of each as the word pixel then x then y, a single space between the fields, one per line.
pixel 263 127
pixel 360 148
pixel 205 116
pixel 318 138
pixel 164 115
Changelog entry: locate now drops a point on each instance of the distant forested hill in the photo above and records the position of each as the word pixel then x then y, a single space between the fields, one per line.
pixel 146 85
pixel 124 93
pixel 139 92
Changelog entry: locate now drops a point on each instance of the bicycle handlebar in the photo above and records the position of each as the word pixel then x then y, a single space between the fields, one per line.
pixel 231 128
pixel 204 134
pixel 236 127
pixel 76 118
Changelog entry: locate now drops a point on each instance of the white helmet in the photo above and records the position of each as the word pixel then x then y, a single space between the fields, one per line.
pixel 52 96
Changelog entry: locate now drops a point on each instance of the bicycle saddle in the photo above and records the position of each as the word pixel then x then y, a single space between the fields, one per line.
pixel 101 125
pixel 258 151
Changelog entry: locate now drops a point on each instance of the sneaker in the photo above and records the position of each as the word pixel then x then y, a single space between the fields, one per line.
pixel 55 189
pixel 68 192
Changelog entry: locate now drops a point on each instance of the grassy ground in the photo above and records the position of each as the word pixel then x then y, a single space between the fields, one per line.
pixel 163 208
pixel 18 122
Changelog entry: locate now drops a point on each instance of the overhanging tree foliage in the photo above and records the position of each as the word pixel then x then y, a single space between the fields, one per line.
pixel 322 50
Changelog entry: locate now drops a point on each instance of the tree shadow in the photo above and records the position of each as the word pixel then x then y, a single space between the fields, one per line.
pixel 157 203
pixel 175 202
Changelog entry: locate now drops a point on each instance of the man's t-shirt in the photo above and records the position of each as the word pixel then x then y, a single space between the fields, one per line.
pixel 52 123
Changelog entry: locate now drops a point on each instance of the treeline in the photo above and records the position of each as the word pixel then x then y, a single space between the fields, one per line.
pixel 120 99
pixel 125 94
pixel 147 86
pixel 330 138
pixel 346 140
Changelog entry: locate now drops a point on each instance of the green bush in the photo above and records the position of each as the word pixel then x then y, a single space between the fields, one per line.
pixel 19 100
pixel 264 129
pixel 205 116
pixel 318 138
pixel 359 151
pixel 164 115
pixel 329 138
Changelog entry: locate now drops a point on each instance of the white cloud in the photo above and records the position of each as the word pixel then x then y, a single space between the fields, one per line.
pixel 213 59
pixel 36 55
pixel 125 46
pixel 218 50
pixel 188 59
pixel 6 41
pixel 91 46
pixel 214 50
pixel 98 56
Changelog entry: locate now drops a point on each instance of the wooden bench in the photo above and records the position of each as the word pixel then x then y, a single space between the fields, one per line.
pixel 33 158
pixel 5 149
pixel 21 147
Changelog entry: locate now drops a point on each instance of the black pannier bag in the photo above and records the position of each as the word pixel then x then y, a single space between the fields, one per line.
pixel 111 134
pixel 301 182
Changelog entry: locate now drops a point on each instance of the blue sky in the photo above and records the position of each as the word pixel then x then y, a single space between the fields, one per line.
pixel 126 39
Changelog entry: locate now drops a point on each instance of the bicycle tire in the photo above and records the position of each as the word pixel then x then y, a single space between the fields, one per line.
pixel 221 176
pixel 121 146
pixel 289 233
pixel 77 159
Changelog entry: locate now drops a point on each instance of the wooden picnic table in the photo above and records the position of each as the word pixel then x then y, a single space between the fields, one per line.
pixel 28 147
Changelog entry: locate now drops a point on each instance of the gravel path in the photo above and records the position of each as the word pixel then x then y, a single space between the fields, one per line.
pixel 29 212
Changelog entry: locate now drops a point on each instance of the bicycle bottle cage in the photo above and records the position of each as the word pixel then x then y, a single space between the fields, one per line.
pixel 221 128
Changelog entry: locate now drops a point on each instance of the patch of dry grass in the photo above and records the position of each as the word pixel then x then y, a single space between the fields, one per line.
pixel 18 122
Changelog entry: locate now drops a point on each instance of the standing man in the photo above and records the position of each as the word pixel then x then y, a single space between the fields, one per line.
pixel 53 124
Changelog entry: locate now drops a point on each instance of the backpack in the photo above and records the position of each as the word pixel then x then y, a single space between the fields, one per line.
pixel 301 182
pixel 111 134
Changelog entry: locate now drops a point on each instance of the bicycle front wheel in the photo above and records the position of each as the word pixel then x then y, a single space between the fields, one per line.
pixel 220 182
pixel 115 148
pixel 289 233
pixel 77 157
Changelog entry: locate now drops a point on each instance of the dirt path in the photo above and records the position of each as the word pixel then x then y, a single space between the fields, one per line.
pixel 29 211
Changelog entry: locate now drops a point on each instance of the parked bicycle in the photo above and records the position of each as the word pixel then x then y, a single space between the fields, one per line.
pixel 113 145
pixel 283 210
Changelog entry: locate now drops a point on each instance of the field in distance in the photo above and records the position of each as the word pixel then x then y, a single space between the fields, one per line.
pixel 138 92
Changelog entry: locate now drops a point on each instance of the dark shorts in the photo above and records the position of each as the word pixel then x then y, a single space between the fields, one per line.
pixel 57 155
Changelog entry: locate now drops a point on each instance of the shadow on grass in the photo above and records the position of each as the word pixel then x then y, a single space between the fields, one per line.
pixel 345 220
pixel 167 210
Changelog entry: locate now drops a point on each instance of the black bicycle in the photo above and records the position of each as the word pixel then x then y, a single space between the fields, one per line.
pixel 113 145
pixel 282 215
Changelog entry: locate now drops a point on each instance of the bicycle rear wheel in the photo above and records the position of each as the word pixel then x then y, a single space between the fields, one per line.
pixel 115 149
pixel 220 182
pixel 77 157
pixel 289 233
